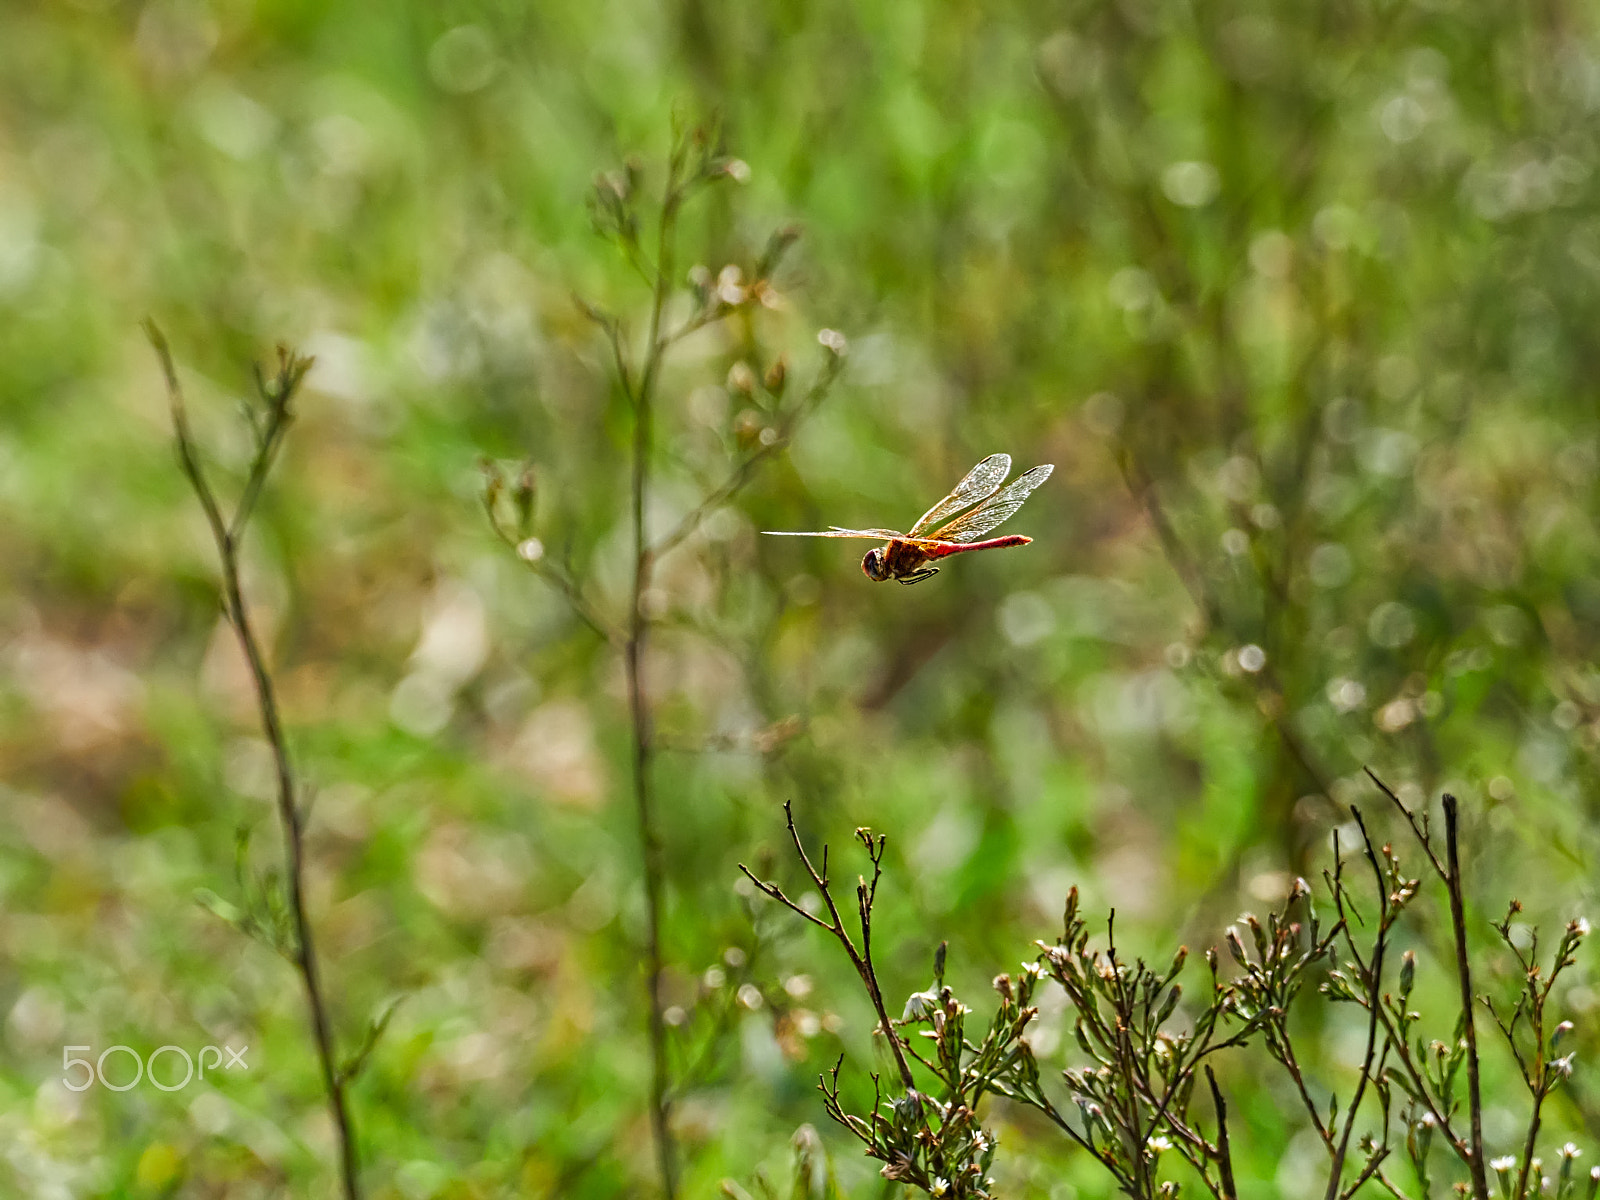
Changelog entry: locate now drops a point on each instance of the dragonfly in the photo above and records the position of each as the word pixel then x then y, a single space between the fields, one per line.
pixel 982 504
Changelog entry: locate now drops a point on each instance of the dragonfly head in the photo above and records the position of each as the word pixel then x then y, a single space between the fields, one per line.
pixel 874 566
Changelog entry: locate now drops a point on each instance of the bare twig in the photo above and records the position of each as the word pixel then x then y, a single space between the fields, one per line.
pixel 866 893
pixel 276 395
pixel 1367 1172
pixel 1449 873
pixel 1230 1191
pixel 1374 1004
pixel 1458 926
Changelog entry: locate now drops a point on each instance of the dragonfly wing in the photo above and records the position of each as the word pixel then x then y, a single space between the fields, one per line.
pixel 877 535
pixel 996 509
pixel 980 482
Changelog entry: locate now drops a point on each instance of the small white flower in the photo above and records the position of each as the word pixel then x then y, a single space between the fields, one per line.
pixel 941 1186
pixel 834 341
pixel 1582 926
pixel 1504 1163
pixel 1569 1151
pixel 730 285
pixel 1159 1144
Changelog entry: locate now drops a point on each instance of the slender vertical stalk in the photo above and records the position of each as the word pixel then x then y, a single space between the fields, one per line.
pixel 1374 1007
pixel 292 821
pixel 643 397
pixel 1458 926
pixel 694 162
pixel 227 535
pixel 1530 1143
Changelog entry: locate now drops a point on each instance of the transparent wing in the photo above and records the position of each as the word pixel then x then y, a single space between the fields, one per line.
pixel 996 509
pixel 981 481
pixel 877 535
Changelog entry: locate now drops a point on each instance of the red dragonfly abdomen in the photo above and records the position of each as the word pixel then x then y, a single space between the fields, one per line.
pixel 945 549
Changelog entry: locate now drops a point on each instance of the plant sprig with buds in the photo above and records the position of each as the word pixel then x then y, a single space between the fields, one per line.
pixel 1145 1043
pixel 1542 1067
pixel 643 224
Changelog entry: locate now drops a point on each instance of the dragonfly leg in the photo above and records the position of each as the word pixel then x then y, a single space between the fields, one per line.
pixel 919 576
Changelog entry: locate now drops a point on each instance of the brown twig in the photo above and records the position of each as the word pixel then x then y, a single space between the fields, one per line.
pixel 1374 1004
pixel 1449 873
pixel 866 893
pixel 277 395
pixel 1230 1190
pixel 1458 927
pixel 1394 1037
pixel 1367 1172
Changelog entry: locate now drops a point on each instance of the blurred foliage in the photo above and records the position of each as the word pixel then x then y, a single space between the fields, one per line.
pixel 1298 299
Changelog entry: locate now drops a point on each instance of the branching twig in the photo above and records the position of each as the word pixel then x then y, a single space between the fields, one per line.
pixel 276 396
pixel 1458 926
pixel 1449 873
pixel 532 554
pixel 860 959
pixel 1230 1191
pixel 745 471
pixel 617 205
pixel 1374 1004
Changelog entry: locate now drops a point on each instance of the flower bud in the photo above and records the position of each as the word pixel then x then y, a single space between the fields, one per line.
pixel 1236 946
pixel 1170 1003
pixel 741 378
pixel 523 497
pixel 777 375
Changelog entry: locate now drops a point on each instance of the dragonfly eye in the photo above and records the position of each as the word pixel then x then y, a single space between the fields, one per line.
pixel 873 566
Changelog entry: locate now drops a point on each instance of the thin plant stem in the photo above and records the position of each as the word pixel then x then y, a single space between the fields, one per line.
pixel 1449 873
pixel 1229 1189
pixel 227 535
pixel 1458 927
pixel 642 395
pixel 866 894
pixel 1374 1004
pixel 692 164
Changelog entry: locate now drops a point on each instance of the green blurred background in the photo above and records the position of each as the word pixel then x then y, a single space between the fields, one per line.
pixel 1299 298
